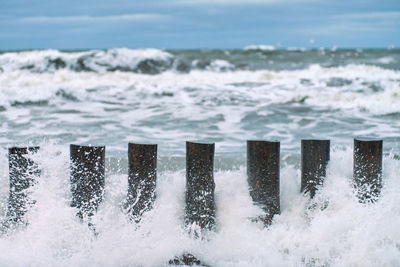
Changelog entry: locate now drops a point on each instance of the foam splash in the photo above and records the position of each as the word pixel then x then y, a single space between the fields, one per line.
pixel 334 229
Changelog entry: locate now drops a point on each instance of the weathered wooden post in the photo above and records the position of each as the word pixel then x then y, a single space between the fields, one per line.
pixel 23 173
pixel 315 156
pixel 263 176
pixel 367 171
pixel 87 178
pixel 200 186
pixel 141 179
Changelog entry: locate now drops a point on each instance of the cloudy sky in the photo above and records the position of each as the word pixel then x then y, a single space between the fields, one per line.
pixel 176 24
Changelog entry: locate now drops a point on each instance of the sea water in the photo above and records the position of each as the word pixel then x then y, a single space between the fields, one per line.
pixel 111 97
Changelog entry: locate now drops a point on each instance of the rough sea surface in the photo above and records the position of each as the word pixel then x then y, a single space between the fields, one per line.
pixel 111 97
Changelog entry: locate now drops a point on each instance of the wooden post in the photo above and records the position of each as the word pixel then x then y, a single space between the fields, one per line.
pixel 141 179
pixel 367 169
pixel 315 156
pixel 263 176
pixel 23 173
pixel 87 178
pixel 200 186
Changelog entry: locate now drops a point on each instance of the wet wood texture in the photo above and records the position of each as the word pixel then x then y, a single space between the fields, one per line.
pixel 200 186
pixel 315 155
pixel 141 179
pixel 263 176
pixel 87 178
pixel 367 170
pixel 23 172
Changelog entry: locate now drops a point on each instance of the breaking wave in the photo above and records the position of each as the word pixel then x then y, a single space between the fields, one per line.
pixel 149 61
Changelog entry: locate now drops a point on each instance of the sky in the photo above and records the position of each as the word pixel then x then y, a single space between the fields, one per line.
pixel 198 24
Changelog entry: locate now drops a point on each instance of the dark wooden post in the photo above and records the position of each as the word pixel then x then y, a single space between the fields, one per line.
pixel 315 156
pixel 87 178
pixel 200 186
pixel 23 173
pixel 367 169
pixel 141 179
pixel 263 176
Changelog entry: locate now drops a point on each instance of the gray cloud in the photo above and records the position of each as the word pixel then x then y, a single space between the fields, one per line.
pixel 229 2
pixel 357 23
pixel 138 17
pixel 371 15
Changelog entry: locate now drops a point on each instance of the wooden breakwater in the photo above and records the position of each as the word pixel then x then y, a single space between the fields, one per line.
pixel 263 164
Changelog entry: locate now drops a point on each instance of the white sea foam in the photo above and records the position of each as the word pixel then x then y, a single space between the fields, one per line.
pixel 218 103
pixel 385 60
pixel 332 230
pixel 273 86
pixel 93 60
pixel 293 48
pixel 112 107
pixel 220 65
pixel 260 47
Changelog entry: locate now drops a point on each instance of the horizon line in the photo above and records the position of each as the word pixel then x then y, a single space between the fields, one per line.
pixel 288 48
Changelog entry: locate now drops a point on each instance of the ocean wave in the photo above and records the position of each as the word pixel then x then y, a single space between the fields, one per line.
pixel 385 60
pixel 260 47
pixel 155 61
pixel 144 61
pixel 226 106
pixel 220 65
pixel 149 61
pixel 353 87
pixel 293 48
